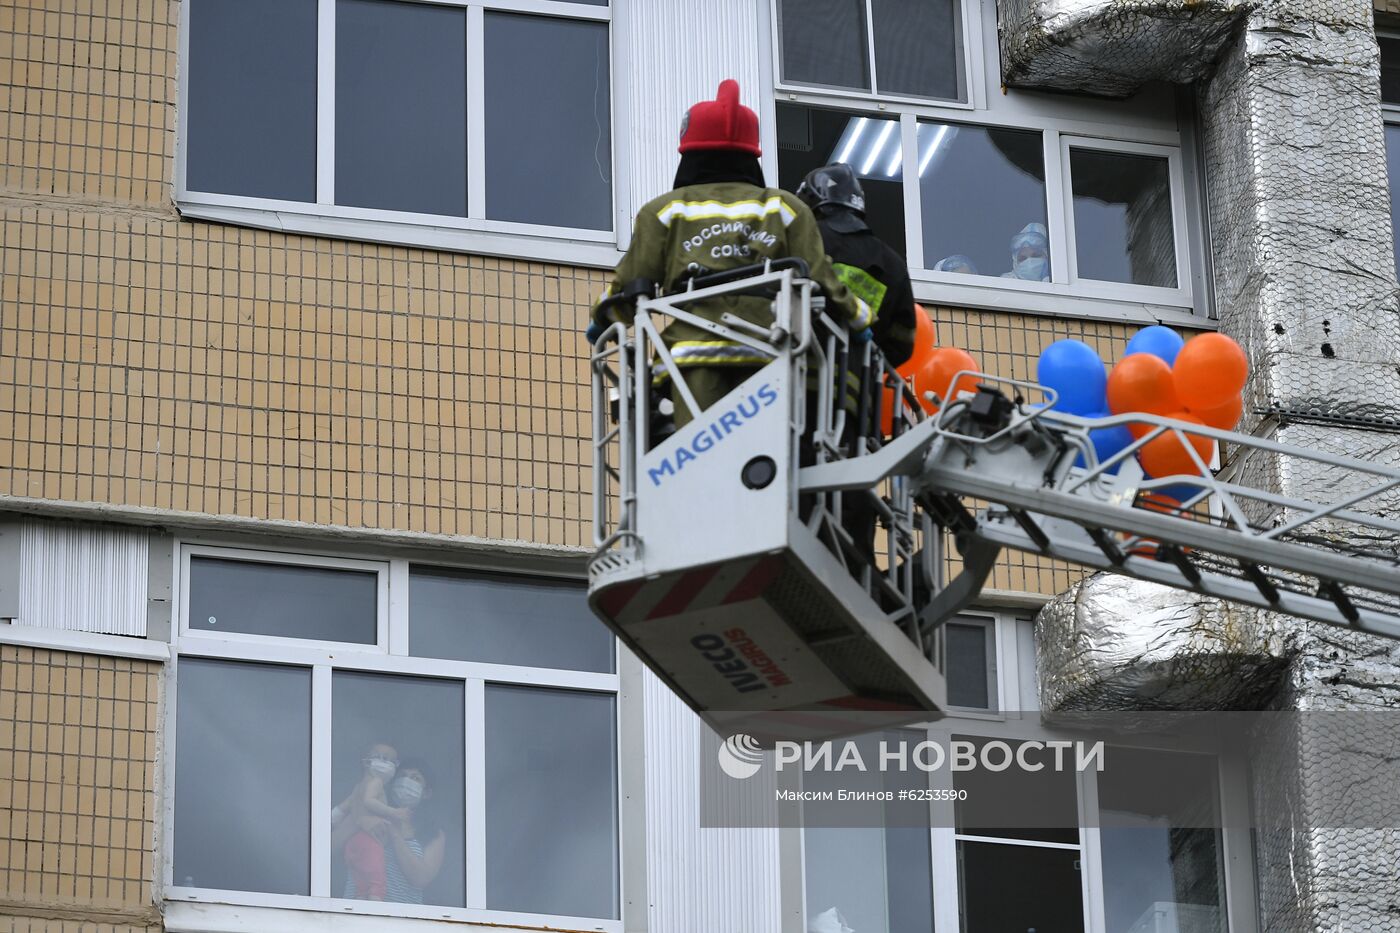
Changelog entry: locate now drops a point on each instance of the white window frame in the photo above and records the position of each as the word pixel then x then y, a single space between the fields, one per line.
pixel 1113 125
pixel 196 909
pixel 249 555
pixel 1236 846
pixel 474 233
pixel 968 38
pixel 991 624
pixel 1177 182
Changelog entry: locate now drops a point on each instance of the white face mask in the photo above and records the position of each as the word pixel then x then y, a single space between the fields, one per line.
pixel 381 767
pixel 408 791
pixel 1032 268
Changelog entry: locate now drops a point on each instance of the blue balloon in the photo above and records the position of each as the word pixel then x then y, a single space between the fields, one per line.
pixel 1181 492
pixel 1075 371
pixel 1162 342
pixel 1107 442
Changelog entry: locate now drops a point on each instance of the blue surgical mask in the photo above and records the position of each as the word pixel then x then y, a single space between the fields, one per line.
pixel 1032 268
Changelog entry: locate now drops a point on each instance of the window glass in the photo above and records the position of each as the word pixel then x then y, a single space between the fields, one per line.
pixel 983 194
pixel 1012 887
pixel 1390 69
pixel 1392 164
pixel 418 724
pixel 1162 866
pixel 252 98
pixel 1123 218
pixel 969 646
pixel 401 106
pixel 916 47
pixel 287 600
pixel 877 876
pixel 1016 803
pixel 505 620
pixel 809 137
pixel 243 777
pixel 548 124
pixel 551 802
pixel 824 42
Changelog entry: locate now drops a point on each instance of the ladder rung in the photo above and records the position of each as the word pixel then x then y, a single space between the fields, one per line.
pixel 1107 543
pixel 1333 591
pixel 1183 563
pixel 1261 581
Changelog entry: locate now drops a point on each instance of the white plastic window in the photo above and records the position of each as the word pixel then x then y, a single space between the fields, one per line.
pixel 979 188
pixel 445 123
pixel 369 736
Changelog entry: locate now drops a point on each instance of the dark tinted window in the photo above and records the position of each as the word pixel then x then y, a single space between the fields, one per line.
pixel 916 47
pixel 968 648
pixel 401 106
pixel 1390 69
pixel 1123 218
pixel 1010 887
pixel 548 124
pixel 252 98
pixel 551 802
pixel 809 137
pixel 287 600
pixel 505 620
pixel 824 42
pixel 243 777
pixel 424 722
pixel 981 188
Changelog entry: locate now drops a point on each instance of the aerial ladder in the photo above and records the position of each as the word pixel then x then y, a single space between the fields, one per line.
pixel 724 561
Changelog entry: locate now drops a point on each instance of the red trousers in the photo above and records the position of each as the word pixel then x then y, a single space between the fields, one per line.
pixel 364 856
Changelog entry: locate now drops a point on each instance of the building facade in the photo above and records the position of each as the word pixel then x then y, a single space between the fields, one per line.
pixel 295 451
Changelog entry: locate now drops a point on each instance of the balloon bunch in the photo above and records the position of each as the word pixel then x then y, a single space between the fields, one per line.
pixel 1197 381
pixel 930 368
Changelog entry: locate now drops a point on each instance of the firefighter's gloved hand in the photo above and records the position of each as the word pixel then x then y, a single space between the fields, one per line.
pixel 594 332
pixel 863 336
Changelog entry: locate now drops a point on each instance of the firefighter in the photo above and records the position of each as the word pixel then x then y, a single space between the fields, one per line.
pixel 863 261
pixel 721 216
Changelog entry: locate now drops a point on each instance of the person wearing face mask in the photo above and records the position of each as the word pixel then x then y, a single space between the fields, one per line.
pixel 416 843
pixel 1030 254
pixel 363 813
pixel 412 840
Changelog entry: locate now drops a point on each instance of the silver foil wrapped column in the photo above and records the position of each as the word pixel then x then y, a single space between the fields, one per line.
pixel 1301 242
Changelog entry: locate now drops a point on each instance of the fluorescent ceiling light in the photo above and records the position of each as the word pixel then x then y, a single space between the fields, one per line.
pixel 933 148
pixel 852 134
pixel 875 151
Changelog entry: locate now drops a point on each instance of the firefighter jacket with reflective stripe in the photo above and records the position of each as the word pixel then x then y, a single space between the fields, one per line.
pixel 722 226
pixel 875 272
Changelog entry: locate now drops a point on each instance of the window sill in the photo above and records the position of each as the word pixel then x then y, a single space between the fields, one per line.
pixel 114 646
pixel 990 297
pixel 557 246
pixel 190 911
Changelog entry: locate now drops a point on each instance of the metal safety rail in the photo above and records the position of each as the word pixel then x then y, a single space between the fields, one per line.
pixel 635 379
pixel 1335 561
pixel 727 557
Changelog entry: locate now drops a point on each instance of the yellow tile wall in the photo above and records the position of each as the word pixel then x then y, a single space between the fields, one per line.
pixel 77 771
pixel 150 361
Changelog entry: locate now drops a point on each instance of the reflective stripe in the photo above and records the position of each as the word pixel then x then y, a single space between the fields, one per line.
pixel 864 316
pixel 731 210
pixel 690 352
pixel 863 285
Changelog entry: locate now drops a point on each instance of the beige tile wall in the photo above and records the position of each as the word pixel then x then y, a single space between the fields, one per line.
pixel 77 771
pixel 150 361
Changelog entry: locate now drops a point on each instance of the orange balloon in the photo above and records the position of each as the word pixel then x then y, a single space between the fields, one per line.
pixel 1166 455
pixel 937 375
pixel 1141 382
pixel 924 343
pixel 1225 417
pixel 1210 370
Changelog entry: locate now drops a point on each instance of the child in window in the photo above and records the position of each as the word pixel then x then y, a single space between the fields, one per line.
pixel 368 808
